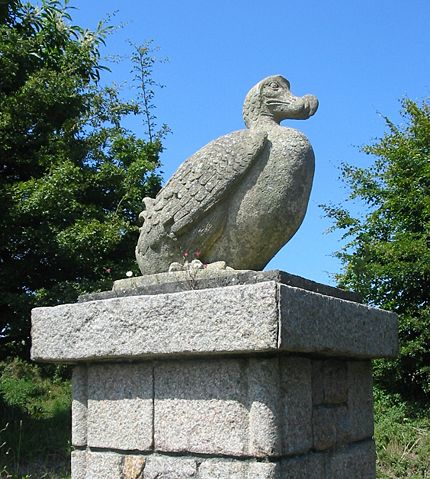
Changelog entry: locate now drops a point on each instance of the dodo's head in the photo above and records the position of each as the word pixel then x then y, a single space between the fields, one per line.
pixel 271 101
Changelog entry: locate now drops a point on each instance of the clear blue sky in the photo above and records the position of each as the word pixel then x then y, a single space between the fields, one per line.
pixel 358 57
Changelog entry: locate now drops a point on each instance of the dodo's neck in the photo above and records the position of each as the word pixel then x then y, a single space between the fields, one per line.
pixel 262 122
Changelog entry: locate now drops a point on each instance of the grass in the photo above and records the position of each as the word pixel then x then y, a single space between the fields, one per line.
pixel 402 435
pixel 34 422
pixel 35 428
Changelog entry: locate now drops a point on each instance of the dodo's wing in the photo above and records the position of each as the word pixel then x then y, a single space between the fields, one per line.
pixel 204 179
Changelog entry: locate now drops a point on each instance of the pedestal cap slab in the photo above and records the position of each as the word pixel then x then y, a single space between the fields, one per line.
pixel 262 317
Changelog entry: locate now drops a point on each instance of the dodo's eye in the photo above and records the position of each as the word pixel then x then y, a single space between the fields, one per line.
pixel 274 85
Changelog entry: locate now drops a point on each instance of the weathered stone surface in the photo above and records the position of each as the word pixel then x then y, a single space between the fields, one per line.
pixel 79 406
pixel 218 407
pixel 241 197
pixel 312 322
pixel 296 390
pixel 265 407
pixel 132 467
pixel 219 469
pixel 235 319
pixel 120 406
pixel 200 408
pixel 309 466
pixel 342 418
pixel 360 400
pixel 107 465
pixel 263 470
pixel 163 467
pixel 104 465
pixel 163 283
pixel 329 382
pixel 244 318
pixel 259 407
pixel 343 409
pixel 324 427
pixel 357 461
pixel 227 469
pixel 79 465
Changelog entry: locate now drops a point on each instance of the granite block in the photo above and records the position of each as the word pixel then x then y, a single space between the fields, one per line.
pixel 132 467
pixel 263 470
pixel 162 283
pixel 244 318
pixel 234 319
pixel 317 382
pixel 344 425
pixel 296 391
pixel 329 382
pixel 228 406
pixel 265 407
pixel 313 323
pixel 79 406
pixel 230 469
pixel 331 427
pixel 202 406
pixel 360 400
pixel 104 465
pixel 109 465
pixel 120 406
pixel 324 428
pixel 357 461
pixel 163 467
pixel 79 464
pixel 221 469
pixel 308 466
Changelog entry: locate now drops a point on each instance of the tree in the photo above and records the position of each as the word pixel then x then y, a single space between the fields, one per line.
pixel 387 255
pixel 71 175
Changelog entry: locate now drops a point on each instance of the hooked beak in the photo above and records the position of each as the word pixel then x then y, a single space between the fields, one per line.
pixel 293 107
pixel 312 103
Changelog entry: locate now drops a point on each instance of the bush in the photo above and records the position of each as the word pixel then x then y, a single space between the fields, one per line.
pixel 34 419
pixel 386 258
pixel 402 435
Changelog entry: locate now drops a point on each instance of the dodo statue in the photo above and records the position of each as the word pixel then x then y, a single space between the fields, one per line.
pixel 240 198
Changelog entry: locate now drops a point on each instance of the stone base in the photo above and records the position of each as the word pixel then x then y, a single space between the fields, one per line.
pixel 250 381
pixel 356 461
pixel 270 417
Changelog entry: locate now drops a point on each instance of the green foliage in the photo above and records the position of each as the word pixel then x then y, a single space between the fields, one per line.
pixel 387 255
pixel 27 387
pixel 402 438
pixel 71 175
pixel 34 419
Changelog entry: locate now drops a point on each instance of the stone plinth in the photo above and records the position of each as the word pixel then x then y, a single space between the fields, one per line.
pixel 257 380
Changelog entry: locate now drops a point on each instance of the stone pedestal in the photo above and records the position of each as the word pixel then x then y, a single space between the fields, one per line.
pixel 256 380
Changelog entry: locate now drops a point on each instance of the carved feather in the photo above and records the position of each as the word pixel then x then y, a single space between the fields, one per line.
pixel 203 180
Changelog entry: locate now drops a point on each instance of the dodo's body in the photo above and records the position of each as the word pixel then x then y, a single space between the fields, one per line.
pixel 241 197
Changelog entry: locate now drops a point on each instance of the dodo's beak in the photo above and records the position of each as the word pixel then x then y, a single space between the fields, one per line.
pixel 301 107
pixel 311 103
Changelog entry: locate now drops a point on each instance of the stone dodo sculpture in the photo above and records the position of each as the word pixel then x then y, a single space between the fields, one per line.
pixel 241 197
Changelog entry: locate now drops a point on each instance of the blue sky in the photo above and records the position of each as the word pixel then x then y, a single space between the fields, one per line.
pixel 359 58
